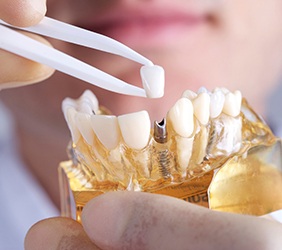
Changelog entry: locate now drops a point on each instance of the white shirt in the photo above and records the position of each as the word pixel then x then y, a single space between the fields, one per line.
pixel 23 202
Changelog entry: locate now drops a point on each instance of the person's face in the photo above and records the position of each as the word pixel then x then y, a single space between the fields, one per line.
pixel 232 43
pixel 212 43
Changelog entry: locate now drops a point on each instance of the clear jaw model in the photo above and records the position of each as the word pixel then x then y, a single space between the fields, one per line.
pixel 211 149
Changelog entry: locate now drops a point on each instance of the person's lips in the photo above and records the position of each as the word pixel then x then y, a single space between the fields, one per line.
pixel 135 28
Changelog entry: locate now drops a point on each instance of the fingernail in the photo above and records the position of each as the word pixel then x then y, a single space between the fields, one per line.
pixel 105 218
pixel 39 5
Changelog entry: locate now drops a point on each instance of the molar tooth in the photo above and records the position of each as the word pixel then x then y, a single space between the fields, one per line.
pixel 222 89
pixel 107 130
pixel 67 103
pixel 217 102
pixel 135 129
pixel 182 117
pixel 88 98
pixel 82 122
pixel 191 95
pixel 70 114
pixel 85 107
pixel 202 108
pixel 153 80
pixel 202 90
pixel 232 104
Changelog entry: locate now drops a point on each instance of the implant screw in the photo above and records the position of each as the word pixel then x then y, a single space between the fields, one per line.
pixel 163 154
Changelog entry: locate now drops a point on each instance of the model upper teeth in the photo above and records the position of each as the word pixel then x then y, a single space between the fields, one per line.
pixel 135 129
pixel 128 139
pixel 202 107
pixel 182 118
pixel 217 102
pixel 102 126
pixel 82 121
pixel 189 94
pixel 69 113
pixel 153 80
pixel 232 104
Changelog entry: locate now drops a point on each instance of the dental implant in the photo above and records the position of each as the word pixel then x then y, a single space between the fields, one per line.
pixel 163 160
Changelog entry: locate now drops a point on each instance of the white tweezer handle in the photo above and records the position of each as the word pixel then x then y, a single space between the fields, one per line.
pixel 24 46
pixel 69 33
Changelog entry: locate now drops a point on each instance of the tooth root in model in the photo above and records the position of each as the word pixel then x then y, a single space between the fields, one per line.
pixel 136 132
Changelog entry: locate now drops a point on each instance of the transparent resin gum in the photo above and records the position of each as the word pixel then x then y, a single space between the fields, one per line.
pixel 232 163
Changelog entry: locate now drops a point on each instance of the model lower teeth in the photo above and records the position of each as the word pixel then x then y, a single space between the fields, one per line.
pixel 200 133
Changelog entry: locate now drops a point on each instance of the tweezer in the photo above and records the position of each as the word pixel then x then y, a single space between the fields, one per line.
pixel 24 46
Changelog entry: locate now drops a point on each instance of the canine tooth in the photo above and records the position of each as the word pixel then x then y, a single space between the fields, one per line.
pixel 135 129
pixel 232 104
pixel 70 114
pixel 182 117
pixel 153 80
pixel 107 130
pixel 217 102
pixel 189 94
pixel 202 107
pixel 82 122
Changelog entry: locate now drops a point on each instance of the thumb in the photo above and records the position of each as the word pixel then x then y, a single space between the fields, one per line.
pixel 131 220
pixel 17 71
pixel 22 12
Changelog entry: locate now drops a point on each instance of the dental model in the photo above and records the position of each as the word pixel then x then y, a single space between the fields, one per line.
pixel 182 156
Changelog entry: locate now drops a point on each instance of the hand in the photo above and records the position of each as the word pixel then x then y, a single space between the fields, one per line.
pixel 15 70
pixel 131 220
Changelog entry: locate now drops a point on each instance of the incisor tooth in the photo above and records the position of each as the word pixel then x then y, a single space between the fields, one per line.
pixel 217 102
pixel 202 107
pixel 107 130
pixel 135 129
pixel 182 117
pixel 82 122
pixel 153 80
pixel 70 113
pixel 232 104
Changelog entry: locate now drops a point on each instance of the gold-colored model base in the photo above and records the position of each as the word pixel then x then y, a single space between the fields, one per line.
pixel 246 184
pixel 76 189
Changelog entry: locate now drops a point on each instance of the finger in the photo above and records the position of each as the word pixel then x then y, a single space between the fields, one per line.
pixel 58 233
pixel 17 71
pixel 22 12
pixel 131 220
